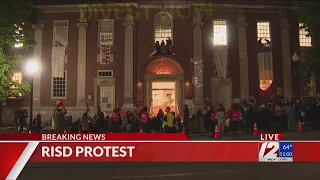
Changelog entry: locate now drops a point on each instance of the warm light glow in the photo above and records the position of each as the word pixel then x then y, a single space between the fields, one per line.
pixel 32 67
pixel 163 69
pixel 264 84
pixel 163 95
pixel 303 39
pixel 220 33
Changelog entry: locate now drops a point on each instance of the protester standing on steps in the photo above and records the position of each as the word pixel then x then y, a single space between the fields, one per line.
pixel 234 114
pixel 250 117
pixel 278 115
pixel 100 123
pixel 221 117
pixel 85 122
pixel 168 125
pixel 197 118
pixel 186 119
pixel 290 111
pixel 116 121
pixel 212 121
pixel 130 118
pixel 60 114
pixel 145 120
pixel 160 119
pixel 36 123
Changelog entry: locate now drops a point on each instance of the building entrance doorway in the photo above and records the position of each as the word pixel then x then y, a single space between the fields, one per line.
pixel 163 95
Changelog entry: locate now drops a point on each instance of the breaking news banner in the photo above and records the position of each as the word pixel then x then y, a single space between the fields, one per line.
pixel 18 149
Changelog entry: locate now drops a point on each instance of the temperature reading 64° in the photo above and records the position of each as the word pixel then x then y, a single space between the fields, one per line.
pixel 287 146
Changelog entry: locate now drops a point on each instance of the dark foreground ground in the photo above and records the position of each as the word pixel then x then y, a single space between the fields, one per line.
pixel 171 171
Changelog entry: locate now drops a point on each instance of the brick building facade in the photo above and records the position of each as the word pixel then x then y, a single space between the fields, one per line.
pixel 99 55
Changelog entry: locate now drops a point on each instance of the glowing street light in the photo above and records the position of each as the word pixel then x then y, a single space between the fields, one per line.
pixel 32 68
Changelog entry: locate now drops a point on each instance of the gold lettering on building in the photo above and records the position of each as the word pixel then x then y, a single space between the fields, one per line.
pixel 146 14
pixel 183 13
pixel 119 14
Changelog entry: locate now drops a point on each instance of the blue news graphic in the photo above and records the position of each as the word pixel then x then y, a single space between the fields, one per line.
pixel 285 149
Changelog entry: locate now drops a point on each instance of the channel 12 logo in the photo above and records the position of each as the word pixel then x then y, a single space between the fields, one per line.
pixel 275 152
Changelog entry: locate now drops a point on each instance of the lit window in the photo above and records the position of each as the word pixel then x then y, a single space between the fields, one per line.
pixel 303 39
pixel 59 86
pixel 263 32
pixel 17 77
pixel 106 28
pixel 220 33
pixel 162 27
pixel 60 34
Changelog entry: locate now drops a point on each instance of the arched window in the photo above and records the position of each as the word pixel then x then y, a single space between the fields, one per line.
pixel 162 27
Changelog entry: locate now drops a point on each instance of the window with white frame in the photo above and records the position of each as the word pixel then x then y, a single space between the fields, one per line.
pixel 59 86
pixel 162 27
pixel 105 73
pixel 304 40
pixel 106 32
pixel 220 33
pixel 60 33
pixel 16 77
pixel 263 32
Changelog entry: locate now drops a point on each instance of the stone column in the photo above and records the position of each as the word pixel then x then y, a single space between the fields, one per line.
pixel 286 58
pixel 37 53
pixel 243 55
pixel 82 60
pixel 197 53
pixel 128 62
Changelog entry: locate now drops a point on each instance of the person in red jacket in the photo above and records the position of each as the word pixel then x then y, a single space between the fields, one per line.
pixel 212 121
pixel 145 120
pixel 116 121
pixel 234 115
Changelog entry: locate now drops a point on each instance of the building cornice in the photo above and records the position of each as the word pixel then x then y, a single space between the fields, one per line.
pixel 85 7
pixel 124 6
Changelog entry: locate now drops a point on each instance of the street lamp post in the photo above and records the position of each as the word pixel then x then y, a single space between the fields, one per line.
pixel 31 103
pixel 31 68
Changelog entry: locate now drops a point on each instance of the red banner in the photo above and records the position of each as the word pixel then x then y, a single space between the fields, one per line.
pixel 147 152
pixel 138 150
pixel 105 53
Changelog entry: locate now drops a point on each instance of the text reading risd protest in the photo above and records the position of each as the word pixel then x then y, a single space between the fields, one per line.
pixel 87 151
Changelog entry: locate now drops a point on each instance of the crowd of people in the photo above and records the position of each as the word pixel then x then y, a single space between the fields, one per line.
pixel 165 122
pixel 274 116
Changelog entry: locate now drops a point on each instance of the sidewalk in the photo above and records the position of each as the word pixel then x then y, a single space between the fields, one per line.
pixel 307 136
